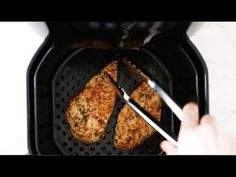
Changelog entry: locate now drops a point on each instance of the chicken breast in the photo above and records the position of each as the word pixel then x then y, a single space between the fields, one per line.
pixel 131 129
pixel 88 112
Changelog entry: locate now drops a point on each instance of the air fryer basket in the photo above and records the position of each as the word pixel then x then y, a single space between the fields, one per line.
pixel 71 78
pixel 60 71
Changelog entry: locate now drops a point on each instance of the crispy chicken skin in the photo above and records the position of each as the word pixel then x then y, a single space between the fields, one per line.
pixel 131 129
pixel 89 112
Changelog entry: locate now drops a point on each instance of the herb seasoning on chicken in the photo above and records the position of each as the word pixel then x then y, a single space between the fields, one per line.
pixel 131 129
pixel 89 112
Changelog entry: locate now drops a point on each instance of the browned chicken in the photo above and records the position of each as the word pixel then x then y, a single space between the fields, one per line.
pixel 89 112
pixel 131 129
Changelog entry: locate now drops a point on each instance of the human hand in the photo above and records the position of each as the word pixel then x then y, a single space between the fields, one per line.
pixel 200 138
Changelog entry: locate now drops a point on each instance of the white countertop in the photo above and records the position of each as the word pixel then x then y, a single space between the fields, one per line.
pixel 217 44
pixel 18 43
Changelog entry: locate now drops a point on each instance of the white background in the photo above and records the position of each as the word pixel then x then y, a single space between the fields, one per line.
pixel 19 42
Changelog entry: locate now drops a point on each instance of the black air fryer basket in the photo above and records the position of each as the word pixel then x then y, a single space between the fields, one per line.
pixel 74 52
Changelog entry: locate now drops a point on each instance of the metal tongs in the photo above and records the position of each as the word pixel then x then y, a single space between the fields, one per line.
pixel 154 85
pixel 151 121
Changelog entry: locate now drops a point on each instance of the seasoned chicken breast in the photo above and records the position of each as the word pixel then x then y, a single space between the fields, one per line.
pixel 89 111
pixel 131 129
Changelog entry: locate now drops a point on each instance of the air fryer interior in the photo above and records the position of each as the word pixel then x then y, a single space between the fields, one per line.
pixel 72 76
pixel 62 66
pixel 64 71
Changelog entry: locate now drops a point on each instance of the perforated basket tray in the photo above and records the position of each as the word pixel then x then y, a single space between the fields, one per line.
pixel 71 78
pixel 58 73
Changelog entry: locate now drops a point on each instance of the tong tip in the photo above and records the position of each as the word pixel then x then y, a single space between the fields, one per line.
pixel 134 69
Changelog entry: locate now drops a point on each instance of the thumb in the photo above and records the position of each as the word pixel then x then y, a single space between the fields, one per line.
pixel 168 147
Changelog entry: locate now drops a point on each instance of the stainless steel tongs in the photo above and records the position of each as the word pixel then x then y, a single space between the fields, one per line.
pixel 166 98
pixel 151 121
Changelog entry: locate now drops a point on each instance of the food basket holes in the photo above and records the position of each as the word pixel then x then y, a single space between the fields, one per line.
pixel 97 143
pixel 68 94
pixel 64 143
pixel 108 142
pixel 68 83
pixel 58 116
pixel 152 140
pixel 89 71
pixel 98 153
pixel 78 83
pixel 119 109
pixel 64 122
pixel 63 99
pixel 92 148
pixel 70 138
pixel 63 89
pixel 58 127
pixel 74 88
pixel 103 148
pixel 64 133
pixel 86 153
pixel 108 153
pixel 75 144
pixel 73 77
pixel 67 72
pixel 62 78
pixel 81 149
pixel 70 149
